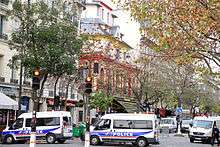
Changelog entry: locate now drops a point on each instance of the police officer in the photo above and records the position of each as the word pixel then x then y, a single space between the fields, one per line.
pixel 215 134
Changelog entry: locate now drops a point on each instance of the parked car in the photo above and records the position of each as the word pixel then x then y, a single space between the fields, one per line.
pixel 186 125
pixel 168 124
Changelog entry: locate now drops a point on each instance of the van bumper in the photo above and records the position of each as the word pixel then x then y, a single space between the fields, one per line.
pixel 153 141
pixel 59 136
pixel 202 138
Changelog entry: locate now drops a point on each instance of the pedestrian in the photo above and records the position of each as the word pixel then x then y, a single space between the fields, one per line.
pixel 215 134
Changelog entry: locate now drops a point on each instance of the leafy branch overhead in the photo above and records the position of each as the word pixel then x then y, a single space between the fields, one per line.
pixel 182 30
pixel 101 100
pixel 46 37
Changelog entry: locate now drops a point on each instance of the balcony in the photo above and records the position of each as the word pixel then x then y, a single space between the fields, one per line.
pixel 81 3
pixel 4 5
pixel 2 79
pixel 14 81
pixel 4 36
pixel 26 83
pixel 5 2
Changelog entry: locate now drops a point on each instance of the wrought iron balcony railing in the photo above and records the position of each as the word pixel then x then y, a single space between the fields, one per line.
pixel 5 2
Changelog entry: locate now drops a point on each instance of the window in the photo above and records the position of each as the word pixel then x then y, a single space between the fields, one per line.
pixel 80 116
pixel 18 124
pixel 108 17
pixel 28 122
pixel 53 121
pixel 122 124
pixel 96 68
pixel 103 124
pixel 143 124
pixel 102 14
pixel 98 11
pixel 67 120
pixel 1 24
pixel 50 93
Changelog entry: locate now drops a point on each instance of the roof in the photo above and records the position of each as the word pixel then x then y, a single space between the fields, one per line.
pixel 7 103
pixel 203 118
pixel 46 114
pixel 130 116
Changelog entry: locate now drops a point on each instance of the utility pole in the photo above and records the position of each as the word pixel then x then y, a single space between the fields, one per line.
pixel 88 91
pixel 35 86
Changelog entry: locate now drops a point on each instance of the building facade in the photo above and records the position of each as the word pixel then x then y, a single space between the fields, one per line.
pixel 107 54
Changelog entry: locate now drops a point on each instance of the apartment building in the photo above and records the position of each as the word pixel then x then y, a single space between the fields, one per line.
pixel 107 54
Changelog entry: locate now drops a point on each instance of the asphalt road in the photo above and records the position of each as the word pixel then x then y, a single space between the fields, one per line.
pixel 166 141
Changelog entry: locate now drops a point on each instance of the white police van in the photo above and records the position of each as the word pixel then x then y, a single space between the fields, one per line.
pixel 139 129
pixel 52 126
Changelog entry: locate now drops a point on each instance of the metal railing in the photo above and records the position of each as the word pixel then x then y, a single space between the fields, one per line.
pixel 3 36
pixel 6 2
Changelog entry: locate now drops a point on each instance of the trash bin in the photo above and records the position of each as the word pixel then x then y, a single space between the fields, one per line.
pixel 76 132
pixel 82 130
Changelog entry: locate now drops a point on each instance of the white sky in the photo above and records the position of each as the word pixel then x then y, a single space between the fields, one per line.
pixel 129 28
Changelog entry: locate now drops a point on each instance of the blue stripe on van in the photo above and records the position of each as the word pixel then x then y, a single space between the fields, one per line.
pixel 132 134
pixel 19 132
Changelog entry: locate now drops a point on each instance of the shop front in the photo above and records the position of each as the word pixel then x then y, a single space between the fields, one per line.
pixel 8 109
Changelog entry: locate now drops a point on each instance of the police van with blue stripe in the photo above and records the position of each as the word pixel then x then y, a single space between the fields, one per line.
pixel 52 126
pixel 139 129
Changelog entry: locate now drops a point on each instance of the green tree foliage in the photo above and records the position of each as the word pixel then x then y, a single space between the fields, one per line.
pixel 101 100
pixel 46 37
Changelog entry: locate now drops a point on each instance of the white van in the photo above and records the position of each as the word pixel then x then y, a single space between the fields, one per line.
pixel 140 129
pixel 169 124
pixel 52 126
pixel 201 129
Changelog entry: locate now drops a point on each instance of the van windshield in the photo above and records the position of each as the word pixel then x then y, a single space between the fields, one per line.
pixel 202 124
pixel 166 121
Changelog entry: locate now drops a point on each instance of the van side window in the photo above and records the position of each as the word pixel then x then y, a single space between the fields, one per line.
pixel 18 124
pixel 143 124
pixel 103 124
pixel 28 122
pixel 122 124
pixel 52 121
pixel 67 120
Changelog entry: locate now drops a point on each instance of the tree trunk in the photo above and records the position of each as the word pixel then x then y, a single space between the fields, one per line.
pixel 66 97
pixel 55 91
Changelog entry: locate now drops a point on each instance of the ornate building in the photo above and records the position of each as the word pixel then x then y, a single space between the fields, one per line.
pixel 108 55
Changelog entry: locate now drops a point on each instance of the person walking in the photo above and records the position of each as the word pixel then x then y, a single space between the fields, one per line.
pixel 215 134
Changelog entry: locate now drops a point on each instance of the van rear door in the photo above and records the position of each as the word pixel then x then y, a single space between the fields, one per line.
pixel 67 127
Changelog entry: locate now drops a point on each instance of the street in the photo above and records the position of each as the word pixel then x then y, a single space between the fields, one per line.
pixel 166 141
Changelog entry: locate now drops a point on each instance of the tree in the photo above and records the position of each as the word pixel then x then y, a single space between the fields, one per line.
pixel 47 38
pixel 166 82
pixel 101 100
pixel 182 30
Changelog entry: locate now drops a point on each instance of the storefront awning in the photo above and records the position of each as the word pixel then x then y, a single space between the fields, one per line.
pixel 7 103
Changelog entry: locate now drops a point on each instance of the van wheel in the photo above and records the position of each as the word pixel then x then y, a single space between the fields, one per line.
pixel 9 139
pixel 141 142
pixel 51 138
pixel 94 140
pixel 191 139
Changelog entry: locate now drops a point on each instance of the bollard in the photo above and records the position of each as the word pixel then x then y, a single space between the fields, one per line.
pixel 33 139
pixel 87 139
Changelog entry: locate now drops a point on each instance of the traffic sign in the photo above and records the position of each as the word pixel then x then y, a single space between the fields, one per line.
pixel 179 110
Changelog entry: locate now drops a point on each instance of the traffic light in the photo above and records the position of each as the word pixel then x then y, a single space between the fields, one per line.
pixel 88 85
pixel 36 79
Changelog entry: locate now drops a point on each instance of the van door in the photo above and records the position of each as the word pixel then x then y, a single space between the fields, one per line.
pixel 17 129
pixel 123 130
pixel 67 128
pixel 27 128
pixel 103 130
